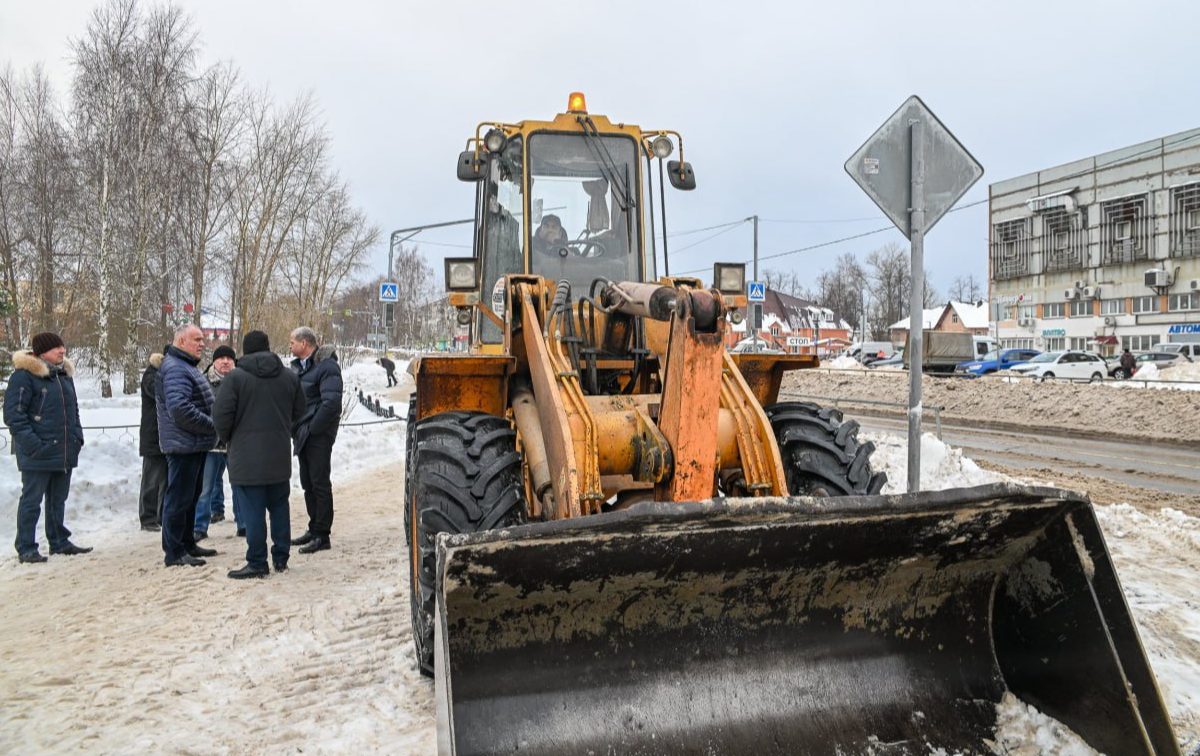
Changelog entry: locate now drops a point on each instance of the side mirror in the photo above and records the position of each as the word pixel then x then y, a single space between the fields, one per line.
pixel 682 175
pixel 472 166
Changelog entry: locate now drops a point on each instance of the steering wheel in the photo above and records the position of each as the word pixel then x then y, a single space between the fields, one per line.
pixel 576 247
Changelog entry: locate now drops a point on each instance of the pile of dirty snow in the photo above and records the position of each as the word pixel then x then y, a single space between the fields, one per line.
pixel 1022 729
pixel 843 363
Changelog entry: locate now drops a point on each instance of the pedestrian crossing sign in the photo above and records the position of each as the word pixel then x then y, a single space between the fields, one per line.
pixel 389 292
pixel 757 292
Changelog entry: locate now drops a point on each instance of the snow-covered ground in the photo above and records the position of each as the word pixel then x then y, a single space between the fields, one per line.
pixel 318 659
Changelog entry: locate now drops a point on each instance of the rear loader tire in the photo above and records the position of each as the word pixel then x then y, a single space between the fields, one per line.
pixel 466 478
pixel 821 452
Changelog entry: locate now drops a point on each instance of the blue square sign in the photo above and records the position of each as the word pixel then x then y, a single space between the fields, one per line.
pixel 756 291
pixel 389 292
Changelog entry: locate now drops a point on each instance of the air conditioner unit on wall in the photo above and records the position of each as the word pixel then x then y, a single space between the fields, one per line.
pixel 1080 284
pixel 1194 284
pixel 1157 278
pixel 1110 321
pixel 1091 292
pixel 1025 322
pixel 1071 294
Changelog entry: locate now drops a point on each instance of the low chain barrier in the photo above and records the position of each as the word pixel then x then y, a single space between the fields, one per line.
pixel 376 406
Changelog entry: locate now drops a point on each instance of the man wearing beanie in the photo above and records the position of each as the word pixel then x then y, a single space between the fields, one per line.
pixel 210 507
pixel 257 406
pixel 185 433
pixel 42 414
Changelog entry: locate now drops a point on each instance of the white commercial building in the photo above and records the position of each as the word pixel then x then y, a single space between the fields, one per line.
pixel 1100 253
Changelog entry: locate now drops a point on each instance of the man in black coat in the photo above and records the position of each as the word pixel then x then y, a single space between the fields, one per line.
pixel 154 463
pixel 42 414
pixel 257 406
pixel 315 433
pixel 390 367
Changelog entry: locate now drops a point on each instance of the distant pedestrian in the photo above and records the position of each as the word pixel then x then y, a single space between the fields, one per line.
pixel 210 507
pixel 390 367
pixel 316 432
pixel 257 405
pixel 186 434
pixel 154 464
pixel 41 411
pixel 1128 364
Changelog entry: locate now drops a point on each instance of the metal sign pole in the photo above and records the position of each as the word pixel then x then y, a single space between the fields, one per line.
pixel 916 306
pixel 756 309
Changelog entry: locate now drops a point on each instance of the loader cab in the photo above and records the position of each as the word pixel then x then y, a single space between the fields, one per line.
pixel 578 171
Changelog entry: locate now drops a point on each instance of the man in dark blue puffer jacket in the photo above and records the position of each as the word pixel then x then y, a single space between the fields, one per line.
pixel 185 434
pixel 42 413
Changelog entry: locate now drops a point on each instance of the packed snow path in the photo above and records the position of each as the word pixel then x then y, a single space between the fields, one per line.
pixel 113 653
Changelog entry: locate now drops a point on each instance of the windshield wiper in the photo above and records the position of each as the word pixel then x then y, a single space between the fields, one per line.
pixel 608 166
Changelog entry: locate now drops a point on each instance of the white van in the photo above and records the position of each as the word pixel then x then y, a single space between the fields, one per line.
pixel 1191 351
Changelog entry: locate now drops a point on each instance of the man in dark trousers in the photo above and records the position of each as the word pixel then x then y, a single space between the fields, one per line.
pixel 257 406
pixel 390 367
pixel 315 433
pixel 42 413
pixel 185 433
pixel 1128 364
pixel 154 464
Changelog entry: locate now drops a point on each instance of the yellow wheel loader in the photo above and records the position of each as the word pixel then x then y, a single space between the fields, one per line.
pixel 621 542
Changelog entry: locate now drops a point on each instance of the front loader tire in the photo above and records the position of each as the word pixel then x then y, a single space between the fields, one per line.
pixel 466 478
pixel 821 453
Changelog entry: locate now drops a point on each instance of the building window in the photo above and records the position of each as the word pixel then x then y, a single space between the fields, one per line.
pixel 774 330
pixel 1029 311
pixel 1055 344
pixel 1079 343
pixel 1146 304
pixel 1182 302
pixel 1054 310
pixel 1137 343
pixel 1064 240
pixel 1185 220
pixel 954 318
pixel 1081 308
pixel 1017 344
pixel 1112 307
pixel 1010 249
pixel 1125 230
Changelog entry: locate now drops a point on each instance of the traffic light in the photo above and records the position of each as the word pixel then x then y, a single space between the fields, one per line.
pixel 389 315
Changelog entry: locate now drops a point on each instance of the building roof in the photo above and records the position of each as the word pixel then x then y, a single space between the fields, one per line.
pixel 971 315
pixel 929 319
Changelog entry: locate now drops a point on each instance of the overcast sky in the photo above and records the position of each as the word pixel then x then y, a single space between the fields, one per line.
pixel 771 98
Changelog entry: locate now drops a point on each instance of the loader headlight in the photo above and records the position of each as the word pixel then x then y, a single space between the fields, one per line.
pixel 462 273
pixel 736 317
pixel 464 316
pixel 494 141
pixel 730 278
pixel 662 147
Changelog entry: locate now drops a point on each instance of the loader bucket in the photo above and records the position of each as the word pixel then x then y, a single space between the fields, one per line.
pixel 879 625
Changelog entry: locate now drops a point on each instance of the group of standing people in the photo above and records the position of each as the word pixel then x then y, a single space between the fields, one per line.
pixel 247 415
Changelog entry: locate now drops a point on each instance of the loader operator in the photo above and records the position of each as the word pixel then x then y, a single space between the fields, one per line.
pixel 550 236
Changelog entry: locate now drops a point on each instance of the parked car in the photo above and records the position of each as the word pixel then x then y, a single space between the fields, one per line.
pixel 895 361
pixel 1002 359
pixel 1160 359
pixel 1067 364
pixel 869 351
pixel 1191 351
pixel 748 346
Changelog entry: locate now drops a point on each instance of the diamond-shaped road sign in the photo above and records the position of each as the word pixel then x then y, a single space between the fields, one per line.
pixel 883 168
pixel 389 292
